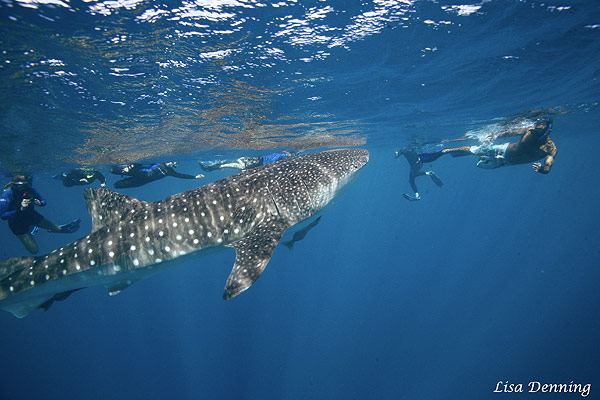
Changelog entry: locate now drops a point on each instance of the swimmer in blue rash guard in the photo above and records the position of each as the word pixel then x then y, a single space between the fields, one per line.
pixel 17 207
pixel 244 163
pixel 535 144
pixel 140 174
pixel 415 161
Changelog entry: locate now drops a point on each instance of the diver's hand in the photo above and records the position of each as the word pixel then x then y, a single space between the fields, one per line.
pixel 537 167
pixel 103 184
pixel 25 203
pixel 38 202
pixel 199 176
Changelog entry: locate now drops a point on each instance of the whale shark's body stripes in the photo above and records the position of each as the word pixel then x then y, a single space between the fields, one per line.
pixel 132 239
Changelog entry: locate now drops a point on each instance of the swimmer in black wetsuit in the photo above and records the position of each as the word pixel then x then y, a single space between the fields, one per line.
pixel 81 176
pixel 140 174
pixel 17 206
pixel 415 161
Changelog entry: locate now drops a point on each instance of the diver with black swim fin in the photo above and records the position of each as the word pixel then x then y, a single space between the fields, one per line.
pixel 81 176
pixel 17 206
pixel 415 161
pixel 141 174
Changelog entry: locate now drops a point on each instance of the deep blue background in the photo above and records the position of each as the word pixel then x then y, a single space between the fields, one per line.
pixel 493 277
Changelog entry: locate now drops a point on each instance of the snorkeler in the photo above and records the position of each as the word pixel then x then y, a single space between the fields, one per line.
pixel 81 176
pixel 535 144
pixel 244 163
pixel 17 206
pixel 140 174
pixel 415 161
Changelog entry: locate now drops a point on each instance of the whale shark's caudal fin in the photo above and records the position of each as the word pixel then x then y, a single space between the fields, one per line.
pixel 9 266
pixel 253 253
pixel 12 272
pixel 107 207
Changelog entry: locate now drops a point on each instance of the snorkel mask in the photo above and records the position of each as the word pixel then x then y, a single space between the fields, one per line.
pixel 548 123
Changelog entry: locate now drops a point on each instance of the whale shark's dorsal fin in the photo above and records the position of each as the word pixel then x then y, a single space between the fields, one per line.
pixel 252 254
pixel 107 207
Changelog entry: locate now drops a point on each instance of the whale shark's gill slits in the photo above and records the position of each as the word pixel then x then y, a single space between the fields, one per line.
pixel 272 198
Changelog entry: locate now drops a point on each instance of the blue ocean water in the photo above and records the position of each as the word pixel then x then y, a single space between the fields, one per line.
pixel 492 277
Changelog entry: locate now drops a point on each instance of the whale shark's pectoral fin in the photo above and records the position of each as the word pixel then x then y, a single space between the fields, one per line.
pixel 116 288
pixel 253 253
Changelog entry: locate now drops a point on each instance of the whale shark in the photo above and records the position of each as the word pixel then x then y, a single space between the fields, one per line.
pixel 133 239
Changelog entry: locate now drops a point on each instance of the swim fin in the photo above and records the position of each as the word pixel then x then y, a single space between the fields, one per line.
pixel 210 165
pixel 71 227
pixel 410 198
pixel 435 179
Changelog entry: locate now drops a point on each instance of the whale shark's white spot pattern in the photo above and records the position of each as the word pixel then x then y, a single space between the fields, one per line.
pixel 238 211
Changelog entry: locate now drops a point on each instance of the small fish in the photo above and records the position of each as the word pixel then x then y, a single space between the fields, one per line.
pixel 300 233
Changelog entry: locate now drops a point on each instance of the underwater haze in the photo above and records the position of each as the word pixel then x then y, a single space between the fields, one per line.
pixel 486 285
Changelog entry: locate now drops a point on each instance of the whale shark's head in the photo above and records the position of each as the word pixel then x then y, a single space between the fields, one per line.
pixel 346 163
pixel 301 186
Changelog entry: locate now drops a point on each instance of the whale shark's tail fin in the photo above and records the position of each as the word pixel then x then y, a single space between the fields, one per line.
pixel 253 253
pixel 9 267
pixel 106 207
pixel 14 274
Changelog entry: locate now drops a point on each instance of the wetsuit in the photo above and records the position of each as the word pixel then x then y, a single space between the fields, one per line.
pixel 81 176
pixel 140 174
pixel 20 221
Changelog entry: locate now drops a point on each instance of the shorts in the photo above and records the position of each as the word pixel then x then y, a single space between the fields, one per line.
pixel 23 222
pixel 490 156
